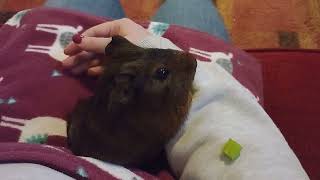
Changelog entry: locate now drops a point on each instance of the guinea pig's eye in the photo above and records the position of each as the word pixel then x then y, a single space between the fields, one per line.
pixel 161 73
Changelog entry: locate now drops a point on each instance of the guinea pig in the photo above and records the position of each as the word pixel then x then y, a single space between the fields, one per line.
pixel 139 103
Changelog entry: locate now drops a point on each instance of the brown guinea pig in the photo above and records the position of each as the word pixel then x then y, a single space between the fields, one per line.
pixel 141 100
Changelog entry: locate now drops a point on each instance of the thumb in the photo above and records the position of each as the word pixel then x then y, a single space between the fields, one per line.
pixel 92 44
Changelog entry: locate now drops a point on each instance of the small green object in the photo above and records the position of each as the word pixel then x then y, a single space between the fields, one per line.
pixel 232 149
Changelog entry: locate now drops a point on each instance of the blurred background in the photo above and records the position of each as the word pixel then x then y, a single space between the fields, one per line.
pixel 251 23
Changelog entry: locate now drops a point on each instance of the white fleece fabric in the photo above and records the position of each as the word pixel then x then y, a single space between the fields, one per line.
pixel 221 109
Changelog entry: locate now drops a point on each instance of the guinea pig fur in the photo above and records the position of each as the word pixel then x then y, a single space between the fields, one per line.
pixel 141 100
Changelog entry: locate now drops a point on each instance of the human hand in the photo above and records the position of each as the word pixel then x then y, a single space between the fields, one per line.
pixel 86 49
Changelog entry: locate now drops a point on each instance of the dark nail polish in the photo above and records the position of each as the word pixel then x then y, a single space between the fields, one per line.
pixel 77 38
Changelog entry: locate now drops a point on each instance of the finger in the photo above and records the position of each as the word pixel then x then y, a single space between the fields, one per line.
pixel 79 69
pixel 95 71
pixel 94 63
pixel 72 49
pixel 84 66
pixel 94 44
pixel 77 59
pixel 107 29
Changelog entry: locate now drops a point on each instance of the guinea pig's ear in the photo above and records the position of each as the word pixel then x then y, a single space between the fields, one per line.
pixel 120 46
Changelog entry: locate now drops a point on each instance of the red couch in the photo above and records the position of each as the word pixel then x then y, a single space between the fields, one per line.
pixel 291 85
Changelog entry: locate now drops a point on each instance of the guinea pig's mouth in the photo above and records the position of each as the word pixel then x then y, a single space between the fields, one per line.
pixel 194 90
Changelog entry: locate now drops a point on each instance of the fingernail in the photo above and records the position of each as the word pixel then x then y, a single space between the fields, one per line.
pixel 77 38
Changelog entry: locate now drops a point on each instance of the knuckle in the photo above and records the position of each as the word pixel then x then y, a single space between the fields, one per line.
pixel 126 20
pixel 87 43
